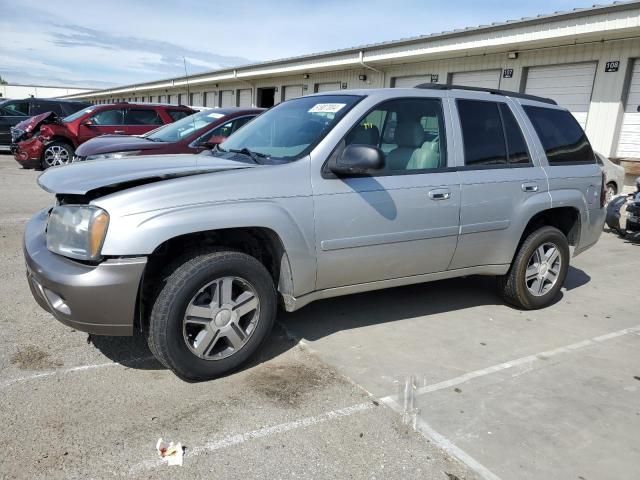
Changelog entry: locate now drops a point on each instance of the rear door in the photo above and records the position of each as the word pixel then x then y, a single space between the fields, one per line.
pixel 500 180
pixel 139 120
pixel 401 222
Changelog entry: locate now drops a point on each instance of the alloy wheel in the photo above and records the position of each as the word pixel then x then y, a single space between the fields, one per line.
pixel 56 155
pixel 543 269
pixel 220 318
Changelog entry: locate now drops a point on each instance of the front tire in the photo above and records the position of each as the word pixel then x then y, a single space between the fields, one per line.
pixel 538 271
pixel 56 154
pixel 213 313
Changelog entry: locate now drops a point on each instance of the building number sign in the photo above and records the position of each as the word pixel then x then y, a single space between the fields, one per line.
pixel 507 73
pixel 612 66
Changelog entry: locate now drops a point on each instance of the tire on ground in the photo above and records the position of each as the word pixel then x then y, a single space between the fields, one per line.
pixel 513 287
pixel 165 330
pixel 68 148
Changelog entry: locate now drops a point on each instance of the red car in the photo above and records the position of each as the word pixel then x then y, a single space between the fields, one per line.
pixel 192 134
pixel 47 140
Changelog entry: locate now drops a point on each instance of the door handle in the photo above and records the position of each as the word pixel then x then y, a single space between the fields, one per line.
pixel 530 187
pixel 440 194
pixel 118 131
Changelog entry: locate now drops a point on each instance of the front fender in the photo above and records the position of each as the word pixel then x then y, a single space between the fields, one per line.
pixel 290 218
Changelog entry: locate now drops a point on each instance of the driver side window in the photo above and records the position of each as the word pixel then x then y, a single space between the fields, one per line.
pixel 108 117
pixel 409 131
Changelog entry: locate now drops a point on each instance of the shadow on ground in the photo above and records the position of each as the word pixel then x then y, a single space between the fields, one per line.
pixel 324 318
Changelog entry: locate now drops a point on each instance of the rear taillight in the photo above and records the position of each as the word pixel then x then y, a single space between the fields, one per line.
pixel 603 192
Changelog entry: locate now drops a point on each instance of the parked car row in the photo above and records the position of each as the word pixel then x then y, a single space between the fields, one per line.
pixel 48 139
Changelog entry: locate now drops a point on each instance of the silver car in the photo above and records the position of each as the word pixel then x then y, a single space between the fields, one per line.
pixel 324 195
pixel 613 174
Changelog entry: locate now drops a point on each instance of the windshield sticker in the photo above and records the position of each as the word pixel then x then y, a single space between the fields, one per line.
pixel 327 107
pixel 215 115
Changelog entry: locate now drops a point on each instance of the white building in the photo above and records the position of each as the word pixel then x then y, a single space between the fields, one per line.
pixel 39 91
pixel 587 60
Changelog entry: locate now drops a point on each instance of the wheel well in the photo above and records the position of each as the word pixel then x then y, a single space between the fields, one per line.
pixel 261 243
pixel 615 185
pixel 565 219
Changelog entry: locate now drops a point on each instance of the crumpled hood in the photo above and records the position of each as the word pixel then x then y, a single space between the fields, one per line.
pixel 83 177
pixel 116 143
pixel 30 124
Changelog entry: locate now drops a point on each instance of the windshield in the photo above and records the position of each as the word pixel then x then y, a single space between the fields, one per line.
pixel 176 131
pixel 78 114
pixel 291 129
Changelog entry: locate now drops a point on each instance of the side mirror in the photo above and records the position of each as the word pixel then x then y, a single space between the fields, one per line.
pixel 88 122
pixel 358 159
pixel 215 140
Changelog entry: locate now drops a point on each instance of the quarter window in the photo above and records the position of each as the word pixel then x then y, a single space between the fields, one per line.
pixel 562 138
pixel 409 131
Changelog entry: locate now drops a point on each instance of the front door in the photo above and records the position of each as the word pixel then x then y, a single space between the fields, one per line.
pixel 101 123
pixel 400 222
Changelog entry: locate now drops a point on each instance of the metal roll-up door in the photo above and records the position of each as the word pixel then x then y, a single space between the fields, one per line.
pixel 629 139
pixel 292 91
pixel 479 78
pixel 196 99
pixel 210 99
pixel 411 81
pixel 227 98
pixel 327 87
pixel 244 97
pixel 569 85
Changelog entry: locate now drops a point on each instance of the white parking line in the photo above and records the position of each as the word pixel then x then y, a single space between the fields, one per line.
pixel 240 438
pixel 64 371
pixel 523 360
pixel 428 432
pixel 442 442
pixel 10 220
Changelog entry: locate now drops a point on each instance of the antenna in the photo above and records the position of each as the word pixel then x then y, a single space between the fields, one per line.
pixel 186 77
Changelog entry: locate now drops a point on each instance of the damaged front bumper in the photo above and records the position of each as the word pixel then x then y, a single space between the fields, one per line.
pixel 99 299
pixel 28 152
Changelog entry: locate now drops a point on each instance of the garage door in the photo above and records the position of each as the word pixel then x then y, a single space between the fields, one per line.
pixel 292 91
pixel 210 99
pixel 479 78
pixel 327 87
pixel 629 141
pixel 196 99
pixel 410 82
pixel 244 97
pixel 227 99
pixel 569 85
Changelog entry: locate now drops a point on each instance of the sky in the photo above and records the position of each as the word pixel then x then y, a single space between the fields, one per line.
pixel 115 42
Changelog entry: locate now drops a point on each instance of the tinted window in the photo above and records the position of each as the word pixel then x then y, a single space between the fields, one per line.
pixel 178 114
pixel 16 109
pixel 225 130
pixel 142 117
pixel 410 132
pixel 482 133
pixel 516 146
pixel 563 139
pixel 42 107
pixel 108 117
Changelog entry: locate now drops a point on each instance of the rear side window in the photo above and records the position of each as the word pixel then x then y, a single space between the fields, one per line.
pixel 491 135
pixel 178 114
pixel 142 117
pixel 562 138
pixel 16 108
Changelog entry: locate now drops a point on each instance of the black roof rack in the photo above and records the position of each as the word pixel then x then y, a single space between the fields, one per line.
pixel 494 91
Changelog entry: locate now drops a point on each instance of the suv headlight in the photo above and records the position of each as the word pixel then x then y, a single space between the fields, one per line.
pixel 105 156
pixel 77 231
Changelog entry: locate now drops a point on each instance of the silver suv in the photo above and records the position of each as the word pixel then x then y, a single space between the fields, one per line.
pixel 321 196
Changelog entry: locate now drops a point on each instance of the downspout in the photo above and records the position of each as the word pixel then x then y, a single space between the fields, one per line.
pixel 361 59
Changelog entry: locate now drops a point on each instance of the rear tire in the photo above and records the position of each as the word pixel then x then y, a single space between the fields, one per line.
pixel 538 271
pixel 213 313
pixel 610 192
